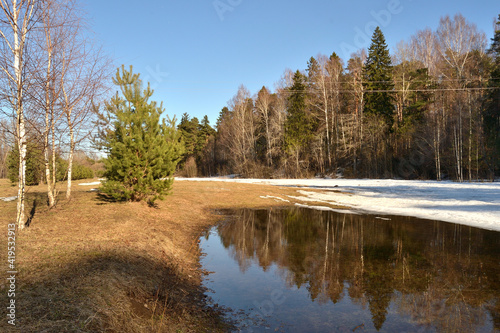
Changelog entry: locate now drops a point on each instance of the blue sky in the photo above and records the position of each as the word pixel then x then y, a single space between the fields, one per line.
pixel 195 53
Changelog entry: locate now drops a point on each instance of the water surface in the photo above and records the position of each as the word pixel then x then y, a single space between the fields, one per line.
pixel 303 270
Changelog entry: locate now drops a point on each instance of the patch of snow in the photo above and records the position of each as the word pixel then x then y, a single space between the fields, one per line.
pixel 307 198
pixel 275 198
pixel 474 204
pixel 314 207
pixel 90 184
pixel 8 199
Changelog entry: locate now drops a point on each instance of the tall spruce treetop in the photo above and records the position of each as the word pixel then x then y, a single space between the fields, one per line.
pixel 143 151
pixel 298 125
pixel 189 132
pixel 312 69
pixel 377 77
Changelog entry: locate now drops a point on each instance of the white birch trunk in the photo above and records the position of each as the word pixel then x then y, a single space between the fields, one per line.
pixel 71 154
pixel 48 119
pixel 21 128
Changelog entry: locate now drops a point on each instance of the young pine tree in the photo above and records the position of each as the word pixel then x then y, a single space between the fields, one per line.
pixel 143 150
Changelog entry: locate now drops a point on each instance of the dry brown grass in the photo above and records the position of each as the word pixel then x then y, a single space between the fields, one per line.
pixel 88 265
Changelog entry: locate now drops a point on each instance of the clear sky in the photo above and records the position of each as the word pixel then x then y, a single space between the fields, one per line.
pixel 195 53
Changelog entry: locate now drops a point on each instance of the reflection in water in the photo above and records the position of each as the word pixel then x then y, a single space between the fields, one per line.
pixel 356 272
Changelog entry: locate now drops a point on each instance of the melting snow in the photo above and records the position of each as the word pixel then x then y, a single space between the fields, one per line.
pixel 474 204
pixel 8 199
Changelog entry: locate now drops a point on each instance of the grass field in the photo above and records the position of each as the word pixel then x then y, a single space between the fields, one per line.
pixel 90 265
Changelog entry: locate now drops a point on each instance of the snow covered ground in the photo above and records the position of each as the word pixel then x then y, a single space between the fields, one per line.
pixel 473 204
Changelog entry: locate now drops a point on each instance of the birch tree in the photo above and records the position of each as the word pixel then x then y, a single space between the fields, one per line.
pixel 357 93
pixel 18 19
pixel 263 106
pixel 47 93
pixel 83 84
pixel 335 68
pixel 424 48
pixel 240 130
pixel 457 39
pixel 73 72
pixel 320 86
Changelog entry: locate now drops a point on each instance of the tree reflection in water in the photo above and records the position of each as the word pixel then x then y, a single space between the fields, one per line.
pixel 440 276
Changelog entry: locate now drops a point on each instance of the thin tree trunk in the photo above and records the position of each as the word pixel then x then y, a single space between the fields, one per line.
pixel 46 155
pixel 21 219
pixel 327 128
pixel 268 142
pixel 70 158
pixel 48 119
pixel 470 138
pixel 54 165
pixel 461 145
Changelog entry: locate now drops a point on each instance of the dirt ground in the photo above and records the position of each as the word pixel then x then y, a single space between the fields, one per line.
pixel 91 265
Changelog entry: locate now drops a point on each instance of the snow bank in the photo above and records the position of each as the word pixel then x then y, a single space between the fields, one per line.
pixel 473 204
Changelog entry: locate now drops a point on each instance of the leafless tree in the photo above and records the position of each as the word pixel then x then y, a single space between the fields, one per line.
pixel 356 89
pixel 403 62
pixel 83 84
pixel 74 73
pixel 263 107
pixel 335 68
pixel 18 20
pixel 457 39
pixel 424 48
pixel 321 86
pixel 47 92
pixel 238 131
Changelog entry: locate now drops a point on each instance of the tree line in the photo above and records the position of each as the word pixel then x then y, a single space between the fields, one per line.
pixel 429 110
pixel 52 75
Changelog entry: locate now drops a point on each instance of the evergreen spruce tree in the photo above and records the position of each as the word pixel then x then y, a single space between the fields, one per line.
pixel 492 112
pixel 204 132
pixel 312 70
pixel 188 129
pixel 299 125
pixel 377 76
pixel 143 150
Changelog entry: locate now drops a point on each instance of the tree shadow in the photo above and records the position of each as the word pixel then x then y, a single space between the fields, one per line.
pixel 115 291
pixel 105 199
pixel 34 199
pixel 32 213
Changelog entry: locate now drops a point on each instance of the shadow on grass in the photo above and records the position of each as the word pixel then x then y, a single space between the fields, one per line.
pixel 105 198
pixel 32 213
pixel 108 291
pixel 33 202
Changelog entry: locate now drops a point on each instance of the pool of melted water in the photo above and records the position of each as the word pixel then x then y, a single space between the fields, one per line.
pixel 304 270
